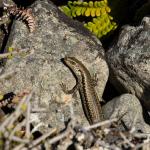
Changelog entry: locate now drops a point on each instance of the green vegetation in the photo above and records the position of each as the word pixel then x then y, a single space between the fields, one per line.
pixel 101 23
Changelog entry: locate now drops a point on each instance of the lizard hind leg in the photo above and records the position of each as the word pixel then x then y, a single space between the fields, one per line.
pixel 94 80
pixel 95 83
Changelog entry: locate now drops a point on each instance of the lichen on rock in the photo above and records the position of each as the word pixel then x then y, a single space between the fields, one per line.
pixel 55 37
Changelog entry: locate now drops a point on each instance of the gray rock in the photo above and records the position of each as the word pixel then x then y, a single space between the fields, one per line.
pixel 128 108
pixel 129 61
pixel 55 37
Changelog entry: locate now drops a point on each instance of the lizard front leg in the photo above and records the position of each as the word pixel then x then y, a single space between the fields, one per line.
pixel 71 91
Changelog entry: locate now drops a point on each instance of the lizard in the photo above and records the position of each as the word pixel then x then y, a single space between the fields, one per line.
pixel 85 84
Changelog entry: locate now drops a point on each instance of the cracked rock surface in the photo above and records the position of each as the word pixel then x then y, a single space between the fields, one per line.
pixel 129 61
pixel 128 108
pixel 55 36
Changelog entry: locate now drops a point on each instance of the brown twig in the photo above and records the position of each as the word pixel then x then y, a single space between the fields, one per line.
pixel 146 142
pixel 39 110
pixel 5 55
pixel 27 133
pixel 17 128
pixel 126 140
pixel 10 120
pixel 103 123
pixel 19 109
pixel 37 141
pixel 60 136
pixel 141 135
pixel 17 139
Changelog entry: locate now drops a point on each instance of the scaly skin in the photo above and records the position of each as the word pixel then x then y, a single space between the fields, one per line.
pixel 90 101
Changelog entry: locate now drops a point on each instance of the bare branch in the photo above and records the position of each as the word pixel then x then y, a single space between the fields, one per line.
pixel 103 123
pixel 6 55
pixel 126 140
pixel 17 128
pixel 17 139
pixel 28 120
pixel 10 120
pixel 38 110
pixel 37 141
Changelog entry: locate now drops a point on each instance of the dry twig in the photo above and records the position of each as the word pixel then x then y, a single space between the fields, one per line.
pixel 99 124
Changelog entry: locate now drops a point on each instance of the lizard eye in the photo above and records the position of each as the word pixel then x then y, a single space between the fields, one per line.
pixel 73 63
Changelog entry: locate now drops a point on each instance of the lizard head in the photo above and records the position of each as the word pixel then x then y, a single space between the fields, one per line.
pixel 74 64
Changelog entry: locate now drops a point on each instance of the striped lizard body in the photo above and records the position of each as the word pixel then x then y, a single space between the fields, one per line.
pixel 85 85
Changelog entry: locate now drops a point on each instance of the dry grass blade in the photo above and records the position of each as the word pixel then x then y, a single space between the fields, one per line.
pixel 17 128
pixel 59 137
pixel 39 110
pixel 39 140
pixel 69 131
pixel 10 120
pixel 144 144
pixel 17 139
pixel 126 140
pixel 20 147
pixel 141 135
pixel 6 55
pixel 99 124
pixel 35 142
pixel 19 109
pixel 27 133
